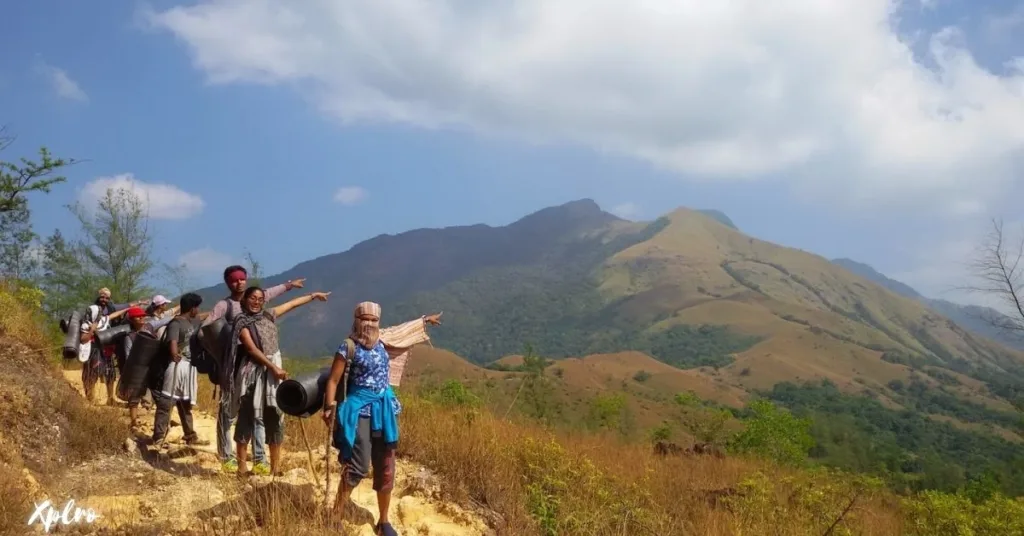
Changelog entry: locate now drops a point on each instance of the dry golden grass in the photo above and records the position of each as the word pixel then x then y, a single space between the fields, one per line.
pixel 45 426
pixel 818 320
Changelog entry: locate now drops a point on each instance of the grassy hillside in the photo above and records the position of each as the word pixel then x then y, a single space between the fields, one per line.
pixel 45 426
pixel 524 478
pixel 687 289
pixel 971 317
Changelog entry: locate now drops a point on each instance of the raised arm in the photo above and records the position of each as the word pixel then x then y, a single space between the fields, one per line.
pixel 277 290
pixel 157 324
pixel 219 310
pixel 116 314
pixel 298 302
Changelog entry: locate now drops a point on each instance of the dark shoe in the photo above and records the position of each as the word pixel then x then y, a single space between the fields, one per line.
pixel 196 441
pixel 385 529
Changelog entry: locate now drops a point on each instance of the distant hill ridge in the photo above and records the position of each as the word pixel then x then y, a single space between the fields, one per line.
pixel 688 289
pixel 971 317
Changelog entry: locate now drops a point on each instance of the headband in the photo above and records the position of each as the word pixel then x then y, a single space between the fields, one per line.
pixel 236 275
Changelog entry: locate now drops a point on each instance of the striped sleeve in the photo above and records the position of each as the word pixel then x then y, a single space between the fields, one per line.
pixel 399 340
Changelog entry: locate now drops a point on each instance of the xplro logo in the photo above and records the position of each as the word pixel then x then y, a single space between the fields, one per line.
pixel 46 515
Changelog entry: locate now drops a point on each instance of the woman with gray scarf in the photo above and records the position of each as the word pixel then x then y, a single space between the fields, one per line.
pixel 256 370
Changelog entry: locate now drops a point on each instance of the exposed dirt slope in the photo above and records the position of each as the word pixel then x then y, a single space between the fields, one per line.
pixel 143 491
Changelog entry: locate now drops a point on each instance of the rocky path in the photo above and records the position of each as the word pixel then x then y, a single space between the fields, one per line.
pixel 182 491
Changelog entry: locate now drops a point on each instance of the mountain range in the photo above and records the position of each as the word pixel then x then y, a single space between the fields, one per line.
pixel 688 289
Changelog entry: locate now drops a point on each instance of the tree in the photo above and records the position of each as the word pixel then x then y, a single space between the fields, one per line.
pixel 775 434
pixel 18 179
pixel 255 274
pixel 19 254
pixel 116 244
pixel 19 258
pixel 998 268
pixel 178 277
pixel 606 410
pixel 66 279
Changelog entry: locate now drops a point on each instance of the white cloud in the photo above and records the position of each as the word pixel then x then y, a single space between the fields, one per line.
pixel 205 261
pixel 164 201
pixel 626 211
pixel 350 195
pixel 826 94
pixel 63 85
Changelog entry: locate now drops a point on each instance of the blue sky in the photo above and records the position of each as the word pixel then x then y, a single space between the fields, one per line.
pixel 808 126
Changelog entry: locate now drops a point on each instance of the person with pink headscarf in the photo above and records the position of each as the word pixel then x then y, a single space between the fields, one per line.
pixel 366 424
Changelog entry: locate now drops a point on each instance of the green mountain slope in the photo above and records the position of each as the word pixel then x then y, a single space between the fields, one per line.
pixel 971 317
pixel 687 289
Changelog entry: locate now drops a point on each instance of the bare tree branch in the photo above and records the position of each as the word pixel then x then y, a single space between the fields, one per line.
pixel 999 273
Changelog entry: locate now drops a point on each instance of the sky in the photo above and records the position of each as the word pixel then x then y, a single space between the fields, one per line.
pixel 888 132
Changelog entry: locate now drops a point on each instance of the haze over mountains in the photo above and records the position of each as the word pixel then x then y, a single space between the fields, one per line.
pixel 688 289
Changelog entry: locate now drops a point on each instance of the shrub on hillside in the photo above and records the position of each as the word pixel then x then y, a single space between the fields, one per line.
pixel 774 433
pixel 934 513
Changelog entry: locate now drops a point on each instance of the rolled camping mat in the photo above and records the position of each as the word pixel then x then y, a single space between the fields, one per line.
pixel 145 353
pixel 215 339
pixel 72 335
pixel 303 396
pixel 112 335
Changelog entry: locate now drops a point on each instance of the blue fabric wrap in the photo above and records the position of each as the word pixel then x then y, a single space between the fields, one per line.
pixel 348 418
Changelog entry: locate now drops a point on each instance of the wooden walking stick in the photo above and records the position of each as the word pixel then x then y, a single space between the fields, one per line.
pixel 350 346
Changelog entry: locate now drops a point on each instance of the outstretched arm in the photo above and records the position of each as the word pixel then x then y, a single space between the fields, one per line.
pixel 277 290
pixel 297 302
pixel 116 314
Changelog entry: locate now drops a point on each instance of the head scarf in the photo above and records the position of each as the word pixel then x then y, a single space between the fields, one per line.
pixel 366 332
pixel 103 292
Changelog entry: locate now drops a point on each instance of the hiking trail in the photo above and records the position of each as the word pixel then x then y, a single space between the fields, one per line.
pixel 183 490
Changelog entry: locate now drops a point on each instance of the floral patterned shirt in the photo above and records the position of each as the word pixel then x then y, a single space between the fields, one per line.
pixel 370 368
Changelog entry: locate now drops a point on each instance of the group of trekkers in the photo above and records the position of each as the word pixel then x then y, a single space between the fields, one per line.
pixel 366 366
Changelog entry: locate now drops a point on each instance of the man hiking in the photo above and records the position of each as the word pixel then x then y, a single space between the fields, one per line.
pixel 229 308
pixel 180 380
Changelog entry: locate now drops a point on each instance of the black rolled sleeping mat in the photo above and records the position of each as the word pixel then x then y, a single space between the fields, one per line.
pixel 112 335
pixel 72 335
pixel 215 339
pixel 303 396
pixel 145 353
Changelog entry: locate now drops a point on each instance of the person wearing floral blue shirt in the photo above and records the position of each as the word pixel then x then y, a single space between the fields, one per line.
pixel 366 429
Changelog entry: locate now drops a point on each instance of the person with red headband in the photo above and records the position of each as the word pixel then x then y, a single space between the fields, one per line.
pixel 229 308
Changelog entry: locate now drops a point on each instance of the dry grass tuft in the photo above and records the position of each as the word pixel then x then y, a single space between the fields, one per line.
pixel 45 426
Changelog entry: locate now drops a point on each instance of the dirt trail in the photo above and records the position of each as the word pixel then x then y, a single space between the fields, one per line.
pixel 183 491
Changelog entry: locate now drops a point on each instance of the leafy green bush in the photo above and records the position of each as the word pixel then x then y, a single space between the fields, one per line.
pixel 775 434
pixel 934 513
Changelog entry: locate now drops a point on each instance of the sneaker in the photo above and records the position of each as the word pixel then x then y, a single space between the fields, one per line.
pixel 261 469
pixel 230 466
pixel 385 529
